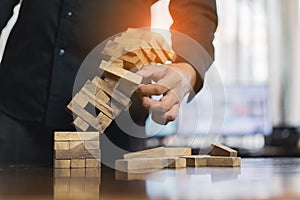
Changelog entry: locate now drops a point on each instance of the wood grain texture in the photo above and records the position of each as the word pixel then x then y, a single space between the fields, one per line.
pixel 61 145
pixel 92 163
pixel 77 154
pixel 123 100
pixel 76 145
pixel 78 110
pixel 62 163
pixel 121 73
pixel 80 124
pixel 222 150
pixel 76 136
pixel 78 163
pixel 196 160
pixel 159 153
pixel 219 161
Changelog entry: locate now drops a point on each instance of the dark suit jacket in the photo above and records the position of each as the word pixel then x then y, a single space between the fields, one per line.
pixel 52 37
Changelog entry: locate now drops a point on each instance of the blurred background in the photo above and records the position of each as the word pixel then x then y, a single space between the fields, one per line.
pixel 257 60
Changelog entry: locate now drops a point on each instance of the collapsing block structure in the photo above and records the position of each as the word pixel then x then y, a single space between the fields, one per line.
pixel 107 93
pixel 77 150
pixel 110 92
pixel 159 158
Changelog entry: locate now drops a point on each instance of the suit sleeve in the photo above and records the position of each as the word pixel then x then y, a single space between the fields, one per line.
pixel 6 10
pixel 197 20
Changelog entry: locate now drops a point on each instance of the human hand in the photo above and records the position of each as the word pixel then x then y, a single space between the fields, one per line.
pixel 173 81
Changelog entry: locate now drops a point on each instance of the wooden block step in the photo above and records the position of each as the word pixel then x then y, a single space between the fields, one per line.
pixel 219 161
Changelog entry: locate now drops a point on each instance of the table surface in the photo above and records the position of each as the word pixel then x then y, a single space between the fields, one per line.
pixel 273 178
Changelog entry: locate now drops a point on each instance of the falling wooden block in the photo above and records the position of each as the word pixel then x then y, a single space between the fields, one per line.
pixel 221 150
pixel 75 107
pixel 219 161
pixel 80 124
pixel 98 103
pixel 62 163
pixel 121 73
pixel 123 100
pixel 92 163
pixel 159 153
pixel 78 163
pixel 76 136
pixel 105 120
pixel 95 92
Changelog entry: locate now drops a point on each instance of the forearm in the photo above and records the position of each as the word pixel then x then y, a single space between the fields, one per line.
pixel 197 20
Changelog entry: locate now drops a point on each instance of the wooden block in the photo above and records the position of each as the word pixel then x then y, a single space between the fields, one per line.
pixel 81 124
pixel 121 73
pixel 95 92
pixel 92 163
pixel 138 164
pixel 61 145
pixel 76 136
pixel 98 103
pixel 78 163
pixel 196 160
pixel 113 49
pixel 62 172
pixel 92 144
pixel 76 145
pixel 123 100
pixel 175 162
pixel 221 150
pixel 77 154
pixel 160 153
pixel 62 163
pixel 158 51
pixel 219 161
pixel 104 120
pixel 111 81
pixel 82 113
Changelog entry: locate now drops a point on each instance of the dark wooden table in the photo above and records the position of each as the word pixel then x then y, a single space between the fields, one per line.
pixel 273 178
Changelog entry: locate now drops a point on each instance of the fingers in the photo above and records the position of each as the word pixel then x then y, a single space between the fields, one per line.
pixel 164 118
pixel 163 110
pixel 155 72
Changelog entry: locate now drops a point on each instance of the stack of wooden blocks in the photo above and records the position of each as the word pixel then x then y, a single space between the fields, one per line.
pixel 110 93
pixel 77 150
pixel 159 158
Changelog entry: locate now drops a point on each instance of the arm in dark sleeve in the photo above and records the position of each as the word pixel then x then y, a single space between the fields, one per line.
pixel 6 11
pixel 198 20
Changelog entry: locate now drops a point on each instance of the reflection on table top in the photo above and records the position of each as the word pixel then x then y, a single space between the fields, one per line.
pixel 256 179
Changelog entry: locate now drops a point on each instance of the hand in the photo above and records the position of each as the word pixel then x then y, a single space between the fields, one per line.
pixel 173 81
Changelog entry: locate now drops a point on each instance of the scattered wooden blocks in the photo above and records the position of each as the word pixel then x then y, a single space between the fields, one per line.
pixel 161 157
pixel 77 150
